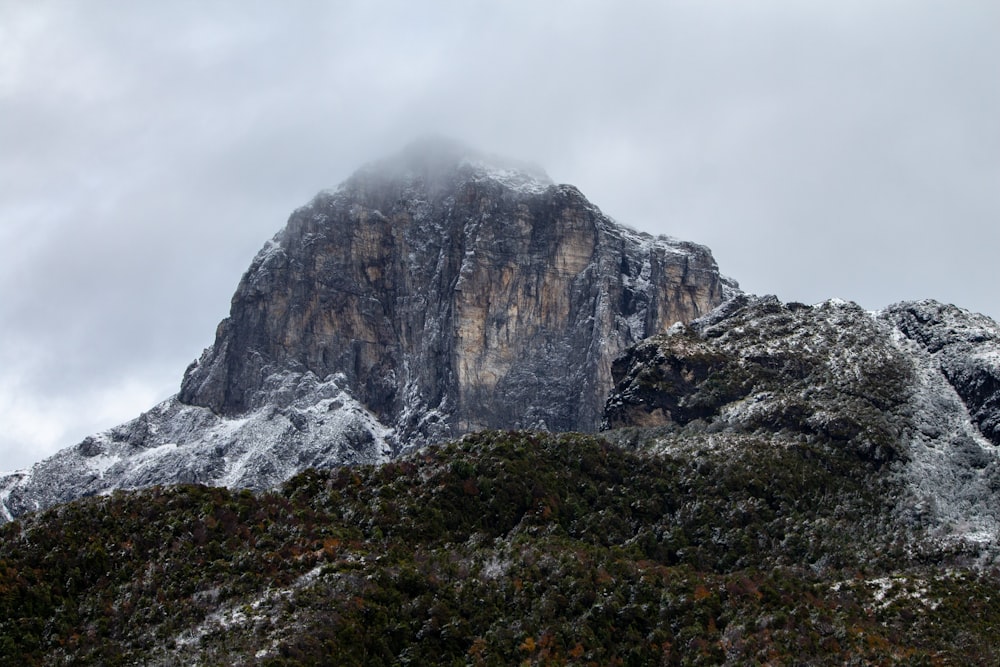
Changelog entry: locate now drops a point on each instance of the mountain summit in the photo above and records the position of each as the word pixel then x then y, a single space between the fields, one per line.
pixel 455 294
pixel 435 292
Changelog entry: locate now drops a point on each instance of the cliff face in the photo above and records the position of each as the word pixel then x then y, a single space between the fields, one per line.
pixel 455 294
pixel 431 294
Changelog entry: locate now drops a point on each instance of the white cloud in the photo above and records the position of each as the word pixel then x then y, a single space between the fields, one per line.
pixel 149 149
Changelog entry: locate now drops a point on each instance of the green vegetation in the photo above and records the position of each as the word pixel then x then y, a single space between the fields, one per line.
pixel 503 548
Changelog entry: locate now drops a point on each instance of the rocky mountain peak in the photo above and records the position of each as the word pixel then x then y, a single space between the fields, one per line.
pixel 435 292
pixel 455 292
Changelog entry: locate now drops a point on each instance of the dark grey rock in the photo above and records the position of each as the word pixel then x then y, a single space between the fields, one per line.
pixel 826 371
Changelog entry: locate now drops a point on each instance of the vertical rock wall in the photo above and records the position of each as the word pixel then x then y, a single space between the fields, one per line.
pixel 455 294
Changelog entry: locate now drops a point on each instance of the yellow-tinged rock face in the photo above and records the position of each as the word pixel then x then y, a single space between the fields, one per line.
pixel 480 297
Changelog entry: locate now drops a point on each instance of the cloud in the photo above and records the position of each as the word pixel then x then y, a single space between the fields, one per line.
pixel 149 149
pixel 30 429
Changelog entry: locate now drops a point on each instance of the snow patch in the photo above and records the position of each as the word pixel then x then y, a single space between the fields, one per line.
pixel 316 424
pixel 101 463
pixel 243 614
pixel 949 494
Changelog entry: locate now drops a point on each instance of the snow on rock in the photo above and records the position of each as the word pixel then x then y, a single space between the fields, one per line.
pixel 954 459
pixel 517 180
pixel 311 423
pixel 913 389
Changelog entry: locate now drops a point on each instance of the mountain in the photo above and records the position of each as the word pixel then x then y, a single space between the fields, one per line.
pixel 434 293
pixel 913 390
pixel 773 483
pixel 776 484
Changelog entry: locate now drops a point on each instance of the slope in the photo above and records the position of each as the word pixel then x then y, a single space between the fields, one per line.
pixel 503 548
pixel 912 389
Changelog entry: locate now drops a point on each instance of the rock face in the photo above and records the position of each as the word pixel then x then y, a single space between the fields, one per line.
pixel 965 347
pixel 431 294
pixel 455 294
pixel 912 390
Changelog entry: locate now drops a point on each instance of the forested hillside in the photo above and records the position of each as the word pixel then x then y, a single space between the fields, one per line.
pixel 504 548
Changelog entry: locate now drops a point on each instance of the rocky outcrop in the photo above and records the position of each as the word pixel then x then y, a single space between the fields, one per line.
pixel 828 371
pixel 966 347
pixel 455 293
pixel 910 391
pixel 431 294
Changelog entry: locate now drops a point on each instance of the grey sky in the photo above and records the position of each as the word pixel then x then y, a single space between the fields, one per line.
pixel 148 149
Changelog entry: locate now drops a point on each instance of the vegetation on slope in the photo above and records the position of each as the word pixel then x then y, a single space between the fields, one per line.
pixel 503 548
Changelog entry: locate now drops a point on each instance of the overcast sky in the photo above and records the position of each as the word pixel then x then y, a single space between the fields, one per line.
pixel 149 149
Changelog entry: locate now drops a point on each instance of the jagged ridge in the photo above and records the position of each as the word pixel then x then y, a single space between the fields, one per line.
pixel 912 389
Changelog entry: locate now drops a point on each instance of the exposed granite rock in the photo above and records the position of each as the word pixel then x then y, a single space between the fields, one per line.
pixel 456 293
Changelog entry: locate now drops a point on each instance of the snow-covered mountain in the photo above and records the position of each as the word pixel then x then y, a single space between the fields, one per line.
pixel 913 389
pixel 433 293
